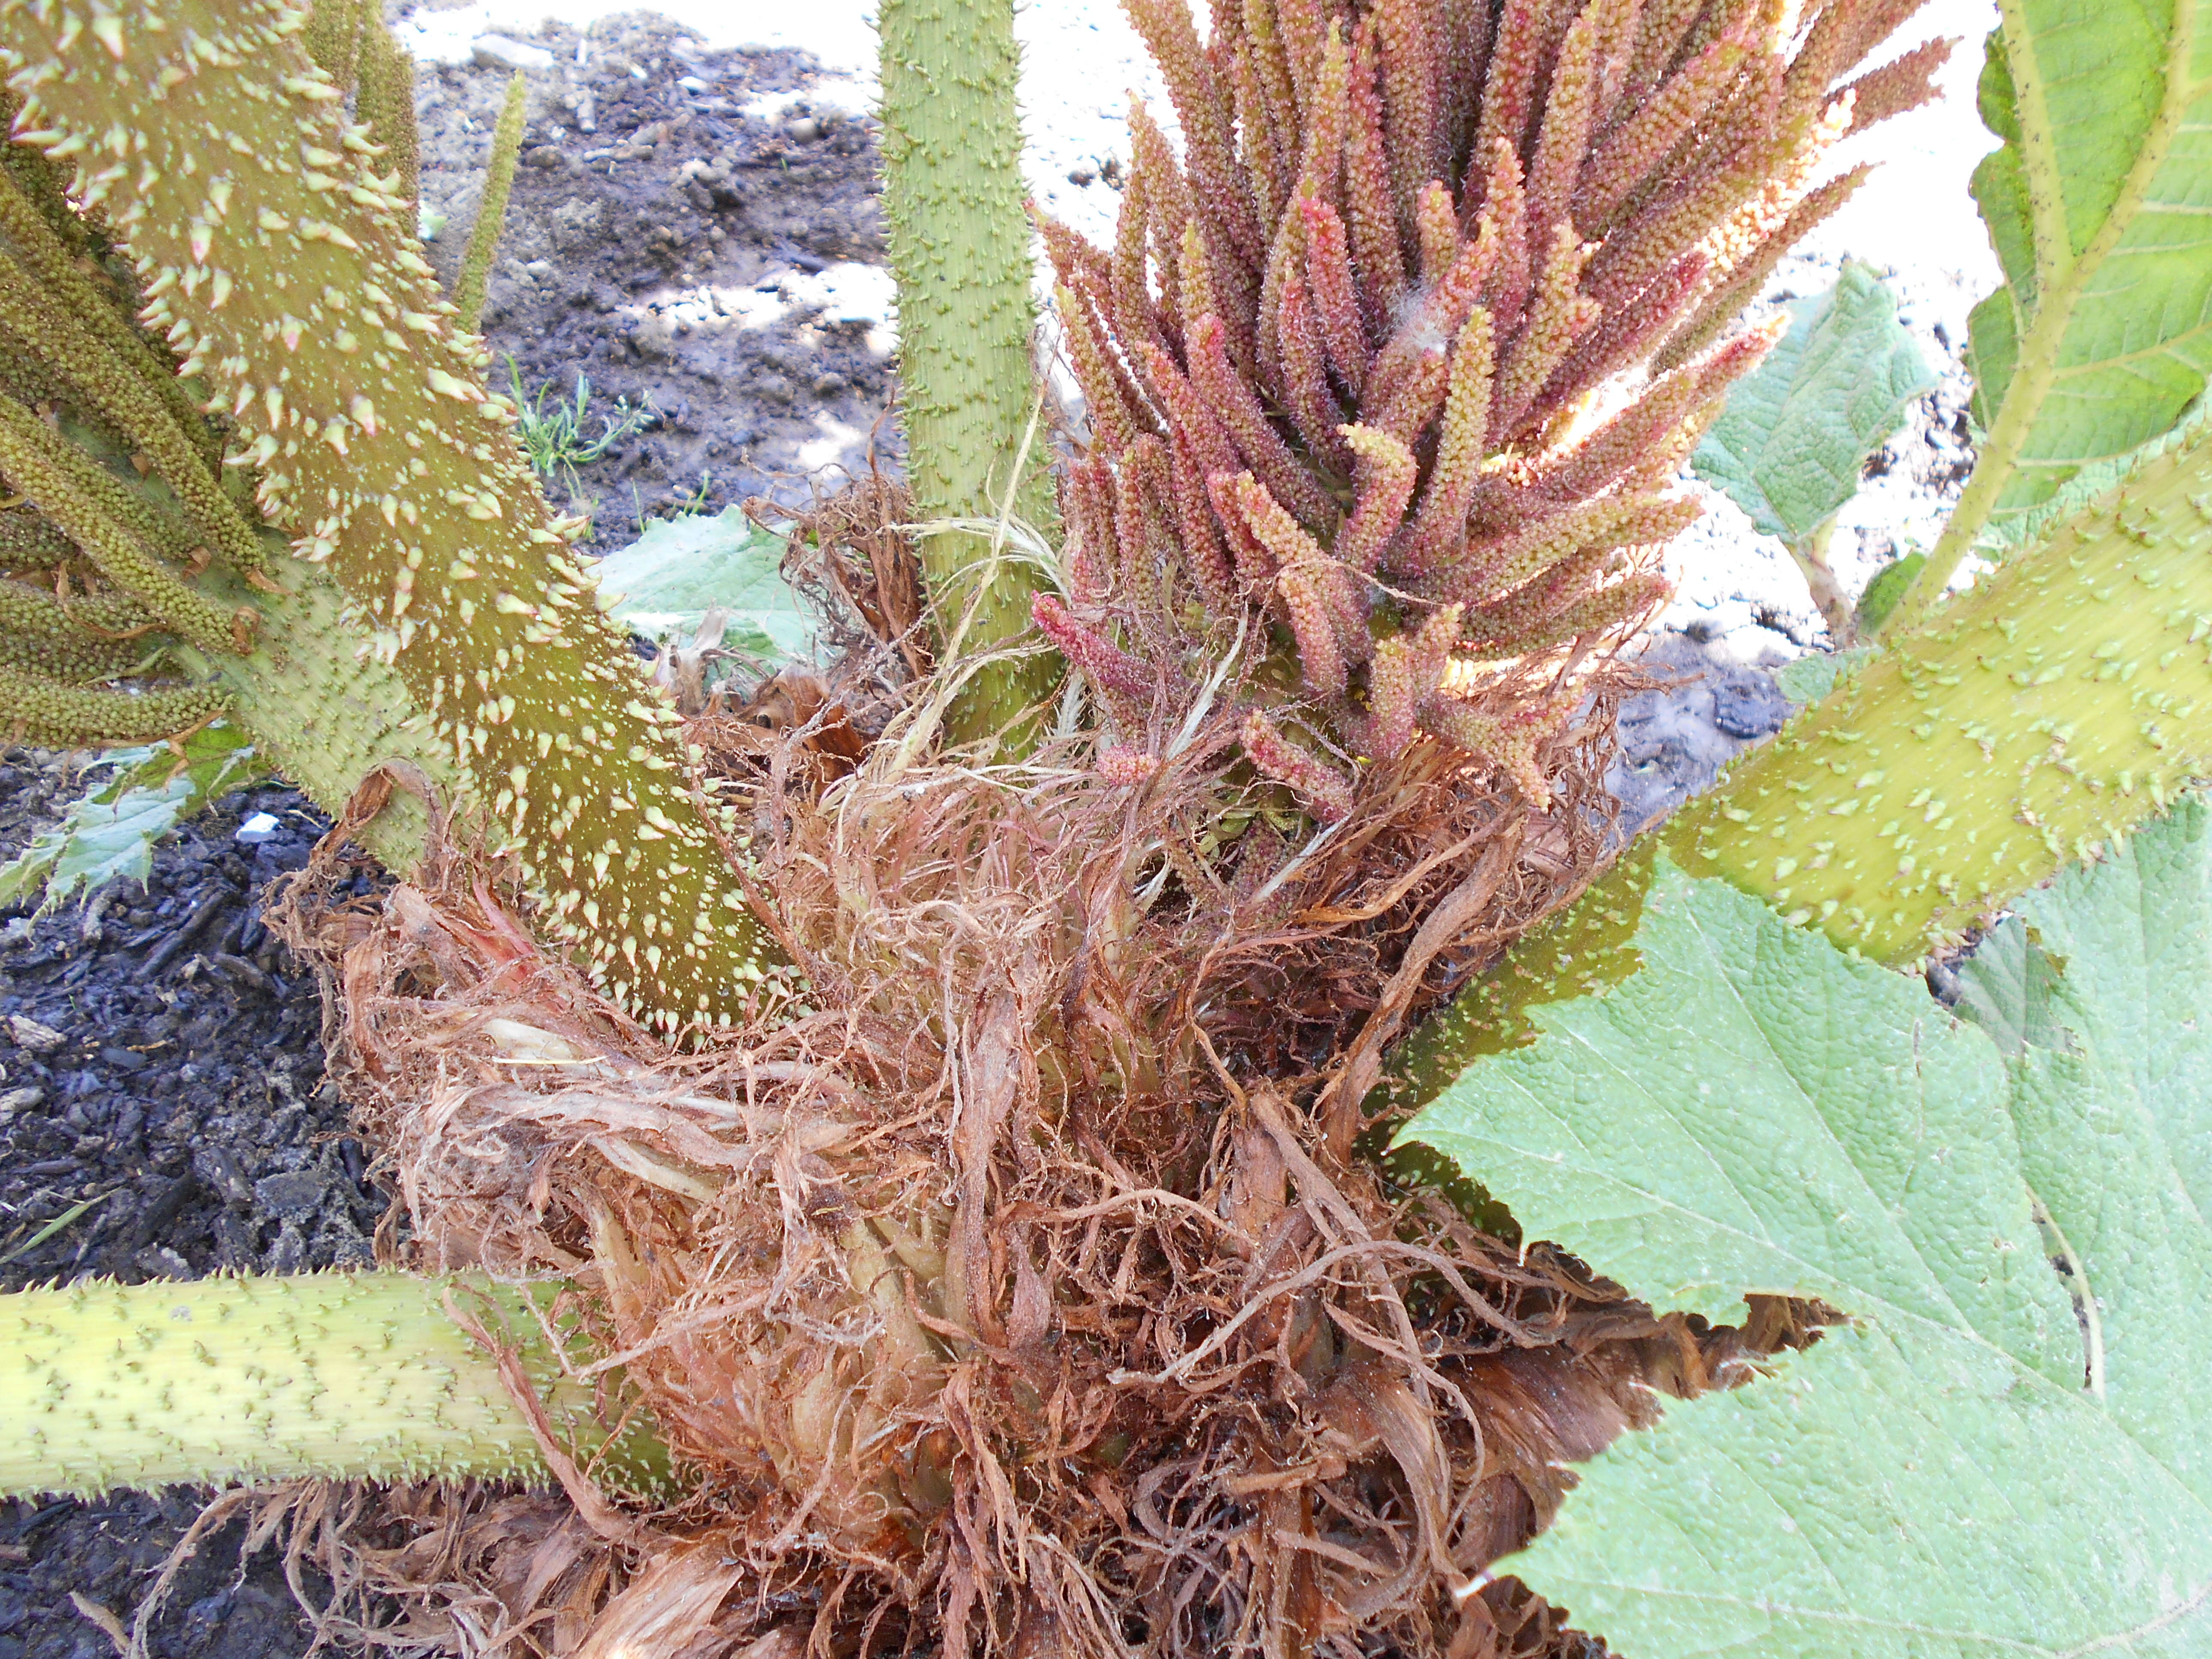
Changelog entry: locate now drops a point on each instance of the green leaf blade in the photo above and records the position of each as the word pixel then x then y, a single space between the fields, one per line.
pixel 2114 1124
pixel 664 583
pixel 1789 449
pixel 2123 151
pixel 1935 1480
pixel 109 833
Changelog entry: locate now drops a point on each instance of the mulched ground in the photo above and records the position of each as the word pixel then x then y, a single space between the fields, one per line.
pixel 163 1064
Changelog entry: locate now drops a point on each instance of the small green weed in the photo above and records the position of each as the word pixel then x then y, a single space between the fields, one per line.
pixel 554 433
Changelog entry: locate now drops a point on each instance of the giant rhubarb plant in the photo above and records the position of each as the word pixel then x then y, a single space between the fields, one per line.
pixel 1341 370
pixel 1401 357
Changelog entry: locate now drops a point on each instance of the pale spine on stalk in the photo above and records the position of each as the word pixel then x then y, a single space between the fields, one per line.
pixel 286 265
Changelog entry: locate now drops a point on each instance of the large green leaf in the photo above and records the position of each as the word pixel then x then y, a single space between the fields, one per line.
pixel 664 584
pixel 1789 446
pixel 111 832
pixel 1971 1467
pixel 2100 207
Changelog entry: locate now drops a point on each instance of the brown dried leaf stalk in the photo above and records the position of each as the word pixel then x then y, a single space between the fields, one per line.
pixel 1398 360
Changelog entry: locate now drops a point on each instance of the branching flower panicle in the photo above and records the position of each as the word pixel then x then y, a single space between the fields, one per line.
pixel 1403 353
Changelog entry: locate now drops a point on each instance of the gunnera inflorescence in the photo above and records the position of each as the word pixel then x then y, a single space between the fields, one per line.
pixel 1402 355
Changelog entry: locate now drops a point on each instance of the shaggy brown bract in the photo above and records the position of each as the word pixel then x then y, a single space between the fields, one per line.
pixel 1024 1294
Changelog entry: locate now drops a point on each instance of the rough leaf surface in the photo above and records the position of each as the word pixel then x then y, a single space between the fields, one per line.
pixel 1968 1468
pixel 1789 449
pixel 665 581
pixel 2096 208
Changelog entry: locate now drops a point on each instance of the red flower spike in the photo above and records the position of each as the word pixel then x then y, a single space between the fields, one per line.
pixel 1258 294
pixel 1313 625
pixel 1386 470
pixel 1905 83
pixel 1305 25
pixel 1611 51
pixel 1728 298
pixel 1636 149
pixel 1559 316
pixel 1374 215
pixel 1112 425
pixel 1205 113
pixel 1314 409
pixel 1507 207
pixel 1408 670
pixel 1110 668
pixel 1319 787
pixel 1239 412
pixel 1467 56
pixel 1336 301
pixel 1440 531
pixel 1136 531
pixel 1408 386
pixel 1411 60
pixel 1256 567
pixel 1436 228
pixel 1262 159
pixel 1509 93
pixel 1659 35
pixel 1509 741
pixel 1623 336
pixel 1328 119
pixel 1563 140
pixel 1204 559
pixel 1134 314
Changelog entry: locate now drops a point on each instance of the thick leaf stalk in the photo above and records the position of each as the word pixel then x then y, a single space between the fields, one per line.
pixel 1343 361
pixel 2099 337
pixel 335 1375
pixel 284 264
pixel 2061 705
pixel 325 711
pixel 960 239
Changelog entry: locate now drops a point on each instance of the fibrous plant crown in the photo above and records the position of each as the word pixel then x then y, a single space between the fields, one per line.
pixel 1402 355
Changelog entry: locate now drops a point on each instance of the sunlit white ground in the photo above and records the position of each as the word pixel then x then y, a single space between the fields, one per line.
pixel 1914 219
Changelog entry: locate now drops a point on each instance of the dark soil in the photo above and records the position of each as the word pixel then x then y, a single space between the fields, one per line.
pixel 653 227
pixel 163 1063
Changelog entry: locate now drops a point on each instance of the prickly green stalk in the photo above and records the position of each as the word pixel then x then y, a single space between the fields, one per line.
pixel 51 711
pixel 960 246
pixel 284 263
pixel 2058 706
pixel 54 272
pixel 41 323
pixel 491 215
pixel 2062 704
pixel 384 102
pixel 80 499
pixel 338 1374
pixel 326 714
